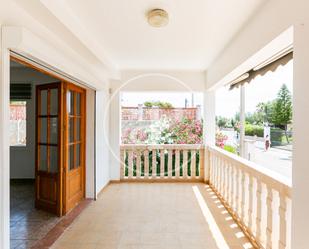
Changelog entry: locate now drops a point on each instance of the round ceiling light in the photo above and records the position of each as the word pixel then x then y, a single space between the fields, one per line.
pixel 157 18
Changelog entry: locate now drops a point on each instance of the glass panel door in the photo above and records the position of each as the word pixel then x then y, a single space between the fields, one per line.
pixel 75 145
pixel 48 148
pixel 74 128
pixel 48 129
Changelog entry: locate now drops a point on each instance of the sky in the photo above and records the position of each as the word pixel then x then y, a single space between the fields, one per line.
pixel 177 99
pixel 262 89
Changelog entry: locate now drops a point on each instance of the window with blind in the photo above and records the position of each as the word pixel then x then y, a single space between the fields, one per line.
pixel 20 93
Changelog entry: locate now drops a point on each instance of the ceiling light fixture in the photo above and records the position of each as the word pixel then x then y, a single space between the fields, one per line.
pixel 157 18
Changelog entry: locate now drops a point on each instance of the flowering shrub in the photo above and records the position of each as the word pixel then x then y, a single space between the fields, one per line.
pixel 166 131
pixel 132 136
pixel 187 131
pixel 158 132
pixel 220 139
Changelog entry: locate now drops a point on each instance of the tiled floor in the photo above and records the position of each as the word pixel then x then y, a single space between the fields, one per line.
pixel 28 225
pixel 153 216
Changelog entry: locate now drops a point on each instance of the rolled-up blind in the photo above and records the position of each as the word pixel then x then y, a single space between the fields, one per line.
pixel 265 67
pixel 20 91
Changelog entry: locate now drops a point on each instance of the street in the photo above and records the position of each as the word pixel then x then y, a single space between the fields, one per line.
pixel 277 160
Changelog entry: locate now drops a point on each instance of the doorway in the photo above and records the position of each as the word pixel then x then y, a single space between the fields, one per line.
pixel 60 148
pixel 47 154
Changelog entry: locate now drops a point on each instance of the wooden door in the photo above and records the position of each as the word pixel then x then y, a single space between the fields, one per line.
pixel 48 170
pixel 74 146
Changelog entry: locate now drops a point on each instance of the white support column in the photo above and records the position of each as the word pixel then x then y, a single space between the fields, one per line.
pixel 242 121
pixel 102 153
pixel 198 112
pixel 115 136
pixel 4 145
pixel 209 126
pixel 140 112
pixel 90 153
pixel 300 214
pixel 210 117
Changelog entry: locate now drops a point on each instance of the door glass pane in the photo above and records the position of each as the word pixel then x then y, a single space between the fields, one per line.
pixel 43 102
pixel 71 130
pixel 70 102
pixel 43 158
pixel 53 130
pixel 53 159
pixel 54 101
pixel 43 130
pixel 71 157
pixel 78 129
pixel 78 103
pixel 77 163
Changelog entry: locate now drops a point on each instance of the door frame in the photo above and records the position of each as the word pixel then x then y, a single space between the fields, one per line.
pixel 61 209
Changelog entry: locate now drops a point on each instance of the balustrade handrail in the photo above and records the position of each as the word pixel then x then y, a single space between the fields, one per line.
pixel 273 179
pixel 162 146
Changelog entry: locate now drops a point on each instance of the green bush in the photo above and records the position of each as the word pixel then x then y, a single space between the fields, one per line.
pixel 254 130
pixel 230 148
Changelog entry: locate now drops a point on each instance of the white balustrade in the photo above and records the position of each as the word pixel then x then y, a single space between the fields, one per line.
pixel 255 197
pixel 162 162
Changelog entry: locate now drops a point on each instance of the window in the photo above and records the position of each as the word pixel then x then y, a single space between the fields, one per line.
pixel 18 123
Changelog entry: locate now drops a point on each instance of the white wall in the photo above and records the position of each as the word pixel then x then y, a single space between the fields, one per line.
pixel 4 146
pixel 102 140
pixel 300 229
pixel 114 131
pixel 22 158
pixel 132 80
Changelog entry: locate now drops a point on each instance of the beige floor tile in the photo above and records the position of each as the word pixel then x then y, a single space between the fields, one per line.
pixel 106 246
pixel 67 245
pixel 149 216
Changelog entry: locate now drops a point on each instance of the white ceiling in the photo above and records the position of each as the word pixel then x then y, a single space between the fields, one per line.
pixel 116 35
pixel 197 32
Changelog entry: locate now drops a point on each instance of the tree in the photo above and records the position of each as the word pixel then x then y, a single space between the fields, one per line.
pixel 222 121
pixel 159 104
pixel 282 109
pixel 264 112
pixel 236 121
pixel 148 104
pixel 253 118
